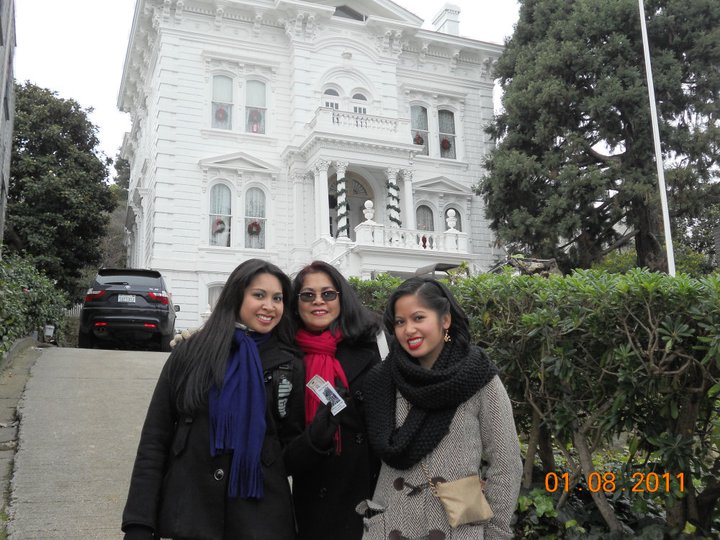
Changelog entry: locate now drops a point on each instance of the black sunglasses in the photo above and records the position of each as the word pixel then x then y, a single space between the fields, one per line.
pixel 309 296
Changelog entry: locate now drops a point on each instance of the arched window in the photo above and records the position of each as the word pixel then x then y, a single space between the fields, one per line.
pixel 255 219
pixel 360 105
pixel 255 107
pixel 446 124
pixel 331 98
pixel 458 219
pixel 424 218
pixel 222 102
pixel 220 215
pixel 419 128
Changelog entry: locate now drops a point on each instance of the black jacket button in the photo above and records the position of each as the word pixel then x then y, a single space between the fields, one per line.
pixel 219 474
pixel 323 493
pixel 359 395
pixel 359 438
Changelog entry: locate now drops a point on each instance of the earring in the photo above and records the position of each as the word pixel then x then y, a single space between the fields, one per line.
pixel 446 337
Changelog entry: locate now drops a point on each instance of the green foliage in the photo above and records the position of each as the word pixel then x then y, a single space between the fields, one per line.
pixel 29 301
pixel 687 261
pixel 605 357
pixel 58 201
pixel 374 294
pixel 575 151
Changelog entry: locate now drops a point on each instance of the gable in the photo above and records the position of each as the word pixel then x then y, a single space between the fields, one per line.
pixel 442 184
pixel 237 161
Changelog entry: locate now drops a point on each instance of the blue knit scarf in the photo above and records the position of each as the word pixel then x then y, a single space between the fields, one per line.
pixel 237 416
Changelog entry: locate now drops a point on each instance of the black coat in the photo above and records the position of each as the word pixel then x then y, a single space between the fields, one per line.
pixel 327 487
pixel 179 491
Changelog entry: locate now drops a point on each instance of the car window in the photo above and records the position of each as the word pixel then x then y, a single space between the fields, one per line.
pixel 129 279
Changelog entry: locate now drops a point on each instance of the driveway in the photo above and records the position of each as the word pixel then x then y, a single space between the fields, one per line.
pixel 80 420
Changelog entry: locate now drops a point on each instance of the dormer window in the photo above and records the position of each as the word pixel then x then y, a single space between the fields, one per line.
pixel 349 13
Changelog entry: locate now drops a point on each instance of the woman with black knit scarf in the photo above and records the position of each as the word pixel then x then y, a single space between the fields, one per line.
pixel 437 407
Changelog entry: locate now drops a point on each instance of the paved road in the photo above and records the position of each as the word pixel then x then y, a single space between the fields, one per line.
pixel 80 420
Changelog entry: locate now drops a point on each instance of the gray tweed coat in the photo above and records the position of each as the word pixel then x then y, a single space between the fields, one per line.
pixel 483 426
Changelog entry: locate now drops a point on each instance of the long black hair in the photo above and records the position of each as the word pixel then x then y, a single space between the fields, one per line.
pixel 435 296
pixel 203 356
pixel 355 320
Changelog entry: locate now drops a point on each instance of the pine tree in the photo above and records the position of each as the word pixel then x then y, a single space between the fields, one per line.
pixel 573 175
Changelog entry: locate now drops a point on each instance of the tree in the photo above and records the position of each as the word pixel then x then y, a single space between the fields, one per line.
pixel 59 199
pixel 573 175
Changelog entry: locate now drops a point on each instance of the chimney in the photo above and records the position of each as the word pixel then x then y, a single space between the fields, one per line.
pixel 448 20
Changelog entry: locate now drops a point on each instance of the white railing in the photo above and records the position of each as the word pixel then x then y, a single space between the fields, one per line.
pixel 379 235
pixel 332 120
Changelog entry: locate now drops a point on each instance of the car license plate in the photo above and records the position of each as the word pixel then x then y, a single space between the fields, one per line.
pixel 129 298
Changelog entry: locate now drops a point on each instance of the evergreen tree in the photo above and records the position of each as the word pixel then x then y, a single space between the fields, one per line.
pixel 59 198
pixel 573 175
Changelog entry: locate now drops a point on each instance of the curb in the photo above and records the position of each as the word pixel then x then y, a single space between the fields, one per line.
pixel 17 348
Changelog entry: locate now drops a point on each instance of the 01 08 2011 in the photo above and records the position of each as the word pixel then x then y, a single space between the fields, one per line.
pixel 639 482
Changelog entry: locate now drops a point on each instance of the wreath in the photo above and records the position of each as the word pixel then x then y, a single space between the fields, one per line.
pixel 418 139
pixel 254 228
pixel 254 116
pixel 221 114
pixel 445 144
pixel 218 226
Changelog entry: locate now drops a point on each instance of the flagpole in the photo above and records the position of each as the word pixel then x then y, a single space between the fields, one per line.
pixel 656 138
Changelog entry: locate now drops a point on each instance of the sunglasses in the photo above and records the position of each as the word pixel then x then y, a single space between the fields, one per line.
pixel 309 296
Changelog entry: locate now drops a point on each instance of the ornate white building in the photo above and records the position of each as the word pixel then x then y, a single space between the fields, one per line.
pixel 292 131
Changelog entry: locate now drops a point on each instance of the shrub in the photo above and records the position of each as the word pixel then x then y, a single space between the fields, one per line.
pixel 29 301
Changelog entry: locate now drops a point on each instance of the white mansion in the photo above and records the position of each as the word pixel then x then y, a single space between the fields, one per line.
pixel 292 130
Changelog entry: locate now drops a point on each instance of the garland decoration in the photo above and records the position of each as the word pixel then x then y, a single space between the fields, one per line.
pixel 445 144
pixel 418 139
pixel 221 114
pixel 254 228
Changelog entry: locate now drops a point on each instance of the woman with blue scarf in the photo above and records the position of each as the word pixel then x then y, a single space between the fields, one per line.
pixel 209 464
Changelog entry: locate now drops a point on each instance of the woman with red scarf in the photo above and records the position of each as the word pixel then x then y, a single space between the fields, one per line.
pixel 331 463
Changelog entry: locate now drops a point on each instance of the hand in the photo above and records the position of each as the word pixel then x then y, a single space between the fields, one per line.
pixel 323 427
pixel 182 336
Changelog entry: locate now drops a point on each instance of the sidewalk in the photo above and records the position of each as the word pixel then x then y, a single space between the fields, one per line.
pixel 80 417
pixel 15 368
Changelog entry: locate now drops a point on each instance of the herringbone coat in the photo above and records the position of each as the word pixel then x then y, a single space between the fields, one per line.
pixel 482 429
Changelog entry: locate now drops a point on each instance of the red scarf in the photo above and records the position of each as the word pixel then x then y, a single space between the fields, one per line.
pixel 320 360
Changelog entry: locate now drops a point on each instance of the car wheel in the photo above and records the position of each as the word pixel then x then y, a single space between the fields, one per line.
pixel 86 341
pixel 165 343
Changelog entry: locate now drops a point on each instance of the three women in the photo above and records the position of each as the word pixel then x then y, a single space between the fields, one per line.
pixel 209 462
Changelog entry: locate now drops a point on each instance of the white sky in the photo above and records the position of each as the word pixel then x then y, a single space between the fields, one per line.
pixel 77 48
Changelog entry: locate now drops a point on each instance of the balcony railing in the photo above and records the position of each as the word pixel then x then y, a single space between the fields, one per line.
pixel 378 235
pixel 386 128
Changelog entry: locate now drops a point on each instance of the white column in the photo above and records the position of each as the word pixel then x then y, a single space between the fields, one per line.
pixel 322 208
pixel 393 198
pixel 408 202
pixel 342 207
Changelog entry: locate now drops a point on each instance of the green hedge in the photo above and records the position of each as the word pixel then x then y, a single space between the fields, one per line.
pixel 28 301
pixel 608 373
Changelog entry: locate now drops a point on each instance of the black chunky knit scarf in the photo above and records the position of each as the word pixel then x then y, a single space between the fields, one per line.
pixel 434 396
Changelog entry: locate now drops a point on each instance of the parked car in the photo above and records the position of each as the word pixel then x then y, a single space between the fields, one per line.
pixel 127 307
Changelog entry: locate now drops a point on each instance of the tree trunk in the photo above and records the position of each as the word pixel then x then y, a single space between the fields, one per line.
pixel 546 450
pixel 677 510
pixel 531 448
pixel 648 241
pixel 603 506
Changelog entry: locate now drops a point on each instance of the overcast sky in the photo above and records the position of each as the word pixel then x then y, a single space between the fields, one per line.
pixel 77 48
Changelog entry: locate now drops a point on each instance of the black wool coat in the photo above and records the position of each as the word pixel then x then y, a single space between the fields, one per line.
pixel 178 490
pixel 328 487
